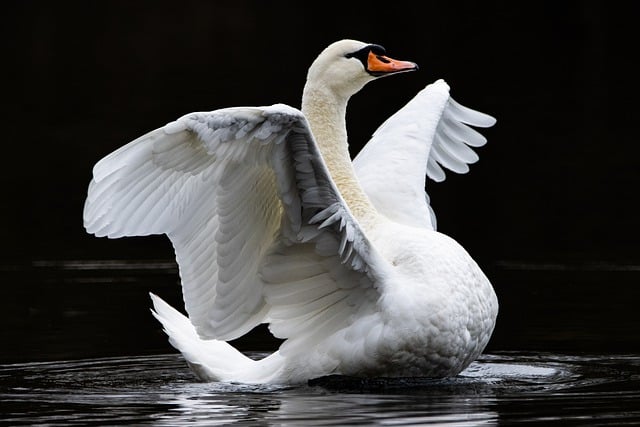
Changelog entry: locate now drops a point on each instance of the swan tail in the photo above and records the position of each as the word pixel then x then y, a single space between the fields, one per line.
pixel 210 360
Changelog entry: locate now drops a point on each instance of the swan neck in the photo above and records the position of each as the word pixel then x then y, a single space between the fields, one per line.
pixel 326 113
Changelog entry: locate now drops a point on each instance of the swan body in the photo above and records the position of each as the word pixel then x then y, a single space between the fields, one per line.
pixel 272 222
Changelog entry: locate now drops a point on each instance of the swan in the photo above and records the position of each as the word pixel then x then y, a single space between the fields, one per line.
pixel 272 222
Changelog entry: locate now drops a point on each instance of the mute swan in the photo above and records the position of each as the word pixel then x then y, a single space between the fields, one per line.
pixel 271 222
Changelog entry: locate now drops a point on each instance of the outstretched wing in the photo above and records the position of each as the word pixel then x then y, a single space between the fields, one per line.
pixel 428 134
pixel 260 232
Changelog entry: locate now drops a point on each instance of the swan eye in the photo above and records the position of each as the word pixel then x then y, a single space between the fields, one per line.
pixel 363 53
pixel 376 49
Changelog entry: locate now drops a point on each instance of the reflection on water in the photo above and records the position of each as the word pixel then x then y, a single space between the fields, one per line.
pixel 160 390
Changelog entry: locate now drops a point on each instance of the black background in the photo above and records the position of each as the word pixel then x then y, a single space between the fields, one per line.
pixel 549 211
pixel 556 182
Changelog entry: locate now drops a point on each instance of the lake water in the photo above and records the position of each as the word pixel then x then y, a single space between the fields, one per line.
pixel 80 347
pixel 498 389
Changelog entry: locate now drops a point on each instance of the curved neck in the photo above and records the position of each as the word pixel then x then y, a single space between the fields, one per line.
pixel 326 114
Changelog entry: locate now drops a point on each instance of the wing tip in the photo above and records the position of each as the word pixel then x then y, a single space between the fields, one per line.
pixel 470 116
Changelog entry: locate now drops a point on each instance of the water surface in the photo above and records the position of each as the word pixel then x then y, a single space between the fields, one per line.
pixel 80 347
pixel 160 390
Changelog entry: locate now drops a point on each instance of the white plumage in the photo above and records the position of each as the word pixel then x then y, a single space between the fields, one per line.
pixel 272 223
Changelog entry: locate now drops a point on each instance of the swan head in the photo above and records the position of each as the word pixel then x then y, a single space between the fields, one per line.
pixel 347 65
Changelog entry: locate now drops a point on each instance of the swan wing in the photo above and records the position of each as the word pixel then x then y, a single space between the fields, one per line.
pixel 431 133
pixel 260 232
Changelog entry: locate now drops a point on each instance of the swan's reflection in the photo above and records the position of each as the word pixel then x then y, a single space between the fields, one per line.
pixel 218 403
pixel 395 409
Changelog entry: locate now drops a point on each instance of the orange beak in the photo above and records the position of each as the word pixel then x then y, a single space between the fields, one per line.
pixel 379 65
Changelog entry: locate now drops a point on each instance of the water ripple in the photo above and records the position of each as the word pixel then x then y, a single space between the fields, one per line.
pixel 160 390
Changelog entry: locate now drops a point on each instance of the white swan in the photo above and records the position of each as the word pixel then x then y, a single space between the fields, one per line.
pixel 272 223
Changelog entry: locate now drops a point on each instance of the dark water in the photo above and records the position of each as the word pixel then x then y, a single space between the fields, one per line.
pixel 80 347
pixel 499 389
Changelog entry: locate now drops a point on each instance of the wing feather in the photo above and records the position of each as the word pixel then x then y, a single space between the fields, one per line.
pixel 443 156
pixel 471 117
pixel 260 232
pixel 428 135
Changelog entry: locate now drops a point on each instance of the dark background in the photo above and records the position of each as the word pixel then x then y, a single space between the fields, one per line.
pixel 555 188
